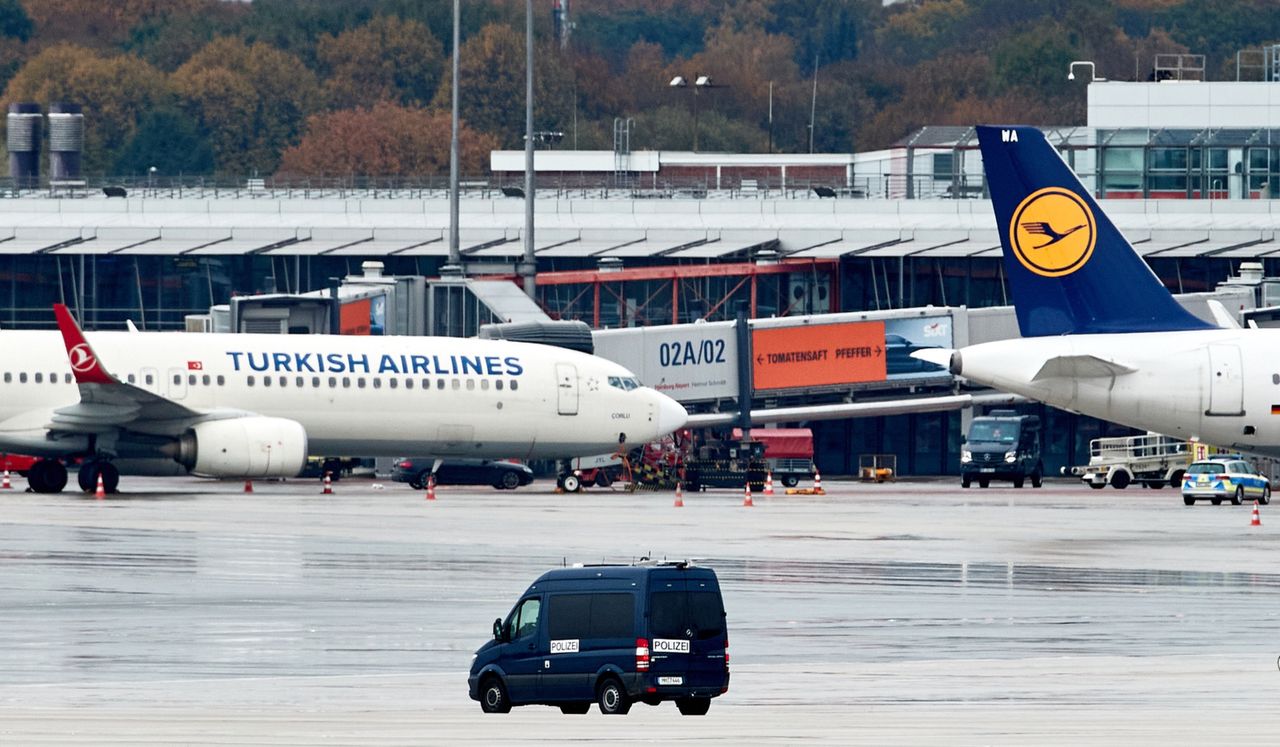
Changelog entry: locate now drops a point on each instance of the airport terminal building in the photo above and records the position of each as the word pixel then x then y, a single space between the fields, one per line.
pixel 1188 170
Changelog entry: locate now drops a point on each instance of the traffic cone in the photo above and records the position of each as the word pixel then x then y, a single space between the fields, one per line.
pixel 768 484
pixel 431 488
pixel 817 482
pixel 328 485
pixel 1256 521
pixel 6 485
pixel 248 486
pixel 679 496
pixel 746 497
pixel 101 491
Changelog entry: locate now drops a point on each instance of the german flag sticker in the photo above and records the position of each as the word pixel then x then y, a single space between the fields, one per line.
pixel 1275 409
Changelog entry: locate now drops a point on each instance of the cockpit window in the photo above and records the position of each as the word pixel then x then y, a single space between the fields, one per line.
pixel 625 383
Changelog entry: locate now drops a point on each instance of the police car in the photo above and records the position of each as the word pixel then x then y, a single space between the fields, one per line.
pixel 1222 478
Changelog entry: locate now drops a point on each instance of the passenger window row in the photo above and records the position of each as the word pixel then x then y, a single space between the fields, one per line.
pixel 22 377
pixel 299 382
pixel 363 382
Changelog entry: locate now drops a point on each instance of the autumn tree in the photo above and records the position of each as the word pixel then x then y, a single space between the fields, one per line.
pixel 95 23
pixel 491 69
pixel 387 59
pixel 251 99
pixel 386 140
pixel 114 90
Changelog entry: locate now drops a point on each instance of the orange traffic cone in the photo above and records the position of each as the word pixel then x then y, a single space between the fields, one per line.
pixel 248 486
pixel 768 484
pixel 746 497
pixel 817 482
pixel 679 496
pixel 1256 521
pixel 328 485
pixel 6 485
pixel 431 488
pixel 101 491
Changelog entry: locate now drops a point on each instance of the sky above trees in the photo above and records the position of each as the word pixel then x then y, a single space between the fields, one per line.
pixel 362 86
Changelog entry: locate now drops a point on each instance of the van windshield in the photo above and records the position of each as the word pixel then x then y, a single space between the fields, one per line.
pixel 681 614
pixel 993 432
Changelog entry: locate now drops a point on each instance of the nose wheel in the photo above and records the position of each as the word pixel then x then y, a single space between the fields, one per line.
pixel 88 476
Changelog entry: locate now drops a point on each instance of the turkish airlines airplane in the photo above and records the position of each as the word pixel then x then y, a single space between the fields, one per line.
pixel 243 405
pixel 1102 335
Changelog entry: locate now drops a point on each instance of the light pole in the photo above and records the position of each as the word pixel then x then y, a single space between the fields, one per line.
pixel 699 81
pixel 151 177
pixel 1071 71
pixel 455 253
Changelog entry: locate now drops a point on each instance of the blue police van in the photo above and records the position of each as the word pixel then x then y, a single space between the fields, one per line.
pixel 612 635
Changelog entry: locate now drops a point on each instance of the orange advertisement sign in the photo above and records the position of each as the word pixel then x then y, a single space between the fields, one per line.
pixel 818 355
pixel 355 317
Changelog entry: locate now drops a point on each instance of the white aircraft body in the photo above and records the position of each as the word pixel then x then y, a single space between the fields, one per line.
pixel 1101 335
pixel 243 405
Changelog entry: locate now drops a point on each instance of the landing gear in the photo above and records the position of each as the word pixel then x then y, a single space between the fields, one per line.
pixel 88 476
pixel 47 476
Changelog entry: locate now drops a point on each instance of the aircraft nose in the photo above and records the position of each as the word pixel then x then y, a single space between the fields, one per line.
pixel 671 415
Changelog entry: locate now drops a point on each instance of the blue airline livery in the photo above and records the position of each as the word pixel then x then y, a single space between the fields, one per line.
pixel 407 364
pixel 1100 334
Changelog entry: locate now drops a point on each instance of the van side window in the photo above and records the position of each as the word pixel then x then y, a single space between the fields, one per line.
pixel 591 616
pixel 569 616
pixel 525 621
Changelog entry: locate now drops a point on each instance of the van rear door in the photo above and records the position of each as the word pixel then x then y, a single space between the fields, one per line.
pixel 687 629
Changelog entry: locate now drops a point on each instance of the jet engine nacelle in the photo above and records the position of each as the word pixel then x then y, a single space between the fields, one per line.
pixel 244 447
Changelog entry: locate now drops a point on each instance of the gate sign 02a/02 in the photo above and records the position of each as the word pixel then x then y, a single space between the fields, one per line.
pixel 818 355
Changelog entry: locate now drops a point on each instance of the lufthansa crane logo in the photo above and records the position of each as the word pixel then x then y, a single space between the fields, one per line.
pixel 81 358
pixel 1053 232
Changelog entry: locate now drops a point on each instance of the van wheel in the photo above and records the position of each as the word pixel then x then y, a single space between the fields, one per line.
pixel 1238 498
pixel 1019 482
pixel 693 706
pixel 612 698
pixel 493 696
pixel 575 708
pixel 965 482
pixel 1037 479
pixel 983 482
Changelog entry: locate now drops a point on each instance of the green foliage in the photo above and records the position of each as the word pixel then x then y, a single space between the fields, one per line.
pixel 612 34
pixel 1034 60
pixel 14 21
pixel 168 140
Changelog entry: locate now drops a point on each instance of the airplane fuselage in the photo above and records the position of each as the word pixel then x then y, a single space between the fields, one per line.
pixel 1217 385
pixel 365 396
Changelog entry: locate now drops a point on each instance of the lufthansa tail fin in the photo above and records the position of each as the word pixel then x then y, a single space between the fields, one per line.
pixel 1070 270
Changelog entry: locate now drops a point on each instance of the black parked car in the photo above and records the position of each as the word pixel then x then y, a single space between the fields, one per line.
pixel 460 471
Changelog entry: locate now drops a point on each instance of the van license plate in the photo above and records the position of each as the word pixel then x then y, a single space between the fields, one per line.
pixel 671 680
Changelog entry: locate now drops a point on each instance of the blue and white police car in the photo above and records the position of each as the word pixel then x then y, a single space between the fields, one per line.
pixel 1220 478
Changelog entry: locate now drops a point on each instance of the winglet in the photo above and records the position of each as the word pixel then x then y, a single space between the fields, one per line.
pixel 84 362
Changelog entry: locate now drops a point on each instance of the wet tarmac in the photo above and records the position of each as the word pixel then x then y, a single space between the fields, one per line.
pixel 919 613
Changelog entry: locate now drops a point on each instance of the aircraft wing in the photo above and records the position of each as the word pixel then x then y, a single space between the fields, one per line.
pixel 105 401
pixel 1080 367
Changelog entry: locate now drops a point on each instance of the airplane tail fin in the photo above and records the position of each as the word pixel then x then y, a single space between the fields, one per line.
pixel 1070 269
